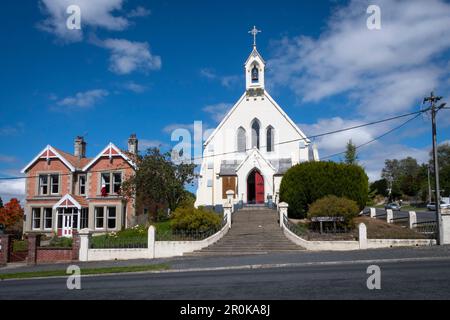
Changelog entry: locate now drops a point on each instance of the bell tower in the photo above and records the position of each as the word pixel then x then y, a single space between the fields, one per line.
pixel 254 69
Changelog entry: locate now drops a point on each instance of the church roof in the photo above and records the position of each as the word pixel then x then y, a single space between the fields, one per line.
pixel 228 167
pixel 281 165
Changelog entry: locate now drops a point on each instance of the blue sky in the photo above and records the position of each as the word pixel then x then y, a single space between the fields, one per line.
pixel 146 67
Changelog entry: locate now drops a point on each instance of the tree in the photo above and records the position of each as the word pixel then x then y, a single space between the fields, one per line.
pixel 350 153
pixel 1 202
pixel 307 182
pixel 380 187
pixel 158 183
pixel 11 213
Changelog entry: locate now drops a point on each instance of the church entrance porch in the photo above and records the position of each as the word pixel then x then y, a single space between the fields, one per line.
pixel 255 188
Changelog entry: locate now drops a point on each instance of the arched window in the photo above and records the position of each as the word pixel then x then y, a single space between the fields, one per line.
pixel 255 133
pixel 241 140
pixel 270 139
pixel 255 74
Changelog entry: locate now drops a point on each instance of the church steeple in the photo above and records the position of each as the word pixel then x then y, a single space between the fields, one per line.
pixel 254 68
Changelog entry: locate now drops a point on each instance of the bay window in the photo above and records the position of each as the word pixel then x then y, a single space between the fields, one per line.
pixel 36 213
pixel 99 217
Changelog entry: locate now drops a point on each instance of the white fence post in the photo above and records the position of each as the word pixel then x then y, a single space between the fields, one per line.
pixel 362 236
pixel 389 216
pixel 230 196
pixel 227 212
pixel 445 231
pixel 373 212
pixel 151 242
pixel 412 219
pixel 283 212
pixel 85 239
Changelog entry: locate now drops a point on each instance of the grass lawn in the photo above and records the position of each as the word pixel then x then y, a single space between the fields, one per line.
pixel 55 273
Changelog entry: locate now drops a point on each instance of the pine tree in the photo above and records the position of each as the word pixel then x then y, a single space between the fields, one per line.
pixel 1 202
pixel 350 154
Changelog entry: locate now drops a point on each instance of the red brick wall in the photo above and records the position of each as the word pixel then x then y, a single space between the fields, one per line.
pixel 53 254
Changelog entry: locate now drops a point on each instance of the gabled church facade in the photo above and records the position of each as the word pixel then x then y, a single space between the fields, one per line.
pixel 253 146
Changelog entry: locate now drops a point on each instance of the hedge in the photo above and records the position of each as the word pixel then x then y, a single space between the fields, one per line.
pixel 308 182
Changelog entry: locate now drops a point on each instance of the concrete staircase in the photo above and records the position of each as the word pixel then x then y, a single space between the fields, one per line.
pixel 255 230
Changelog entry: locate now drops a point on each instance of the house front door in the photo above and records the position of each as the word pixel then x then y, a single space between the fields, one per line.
pixel 67 225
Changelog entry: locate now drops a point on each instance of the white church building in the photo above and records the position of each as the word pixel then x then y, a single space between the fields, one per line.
pixel 253 146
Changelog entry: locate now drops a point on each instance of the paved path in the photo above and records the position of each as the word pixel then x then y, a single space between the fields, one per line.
pixel 254 231
pixel 399 280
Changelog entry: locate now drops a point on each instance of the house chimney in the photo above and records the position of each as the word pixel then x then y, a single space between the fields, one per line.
pixel 133 144
pixel 80 147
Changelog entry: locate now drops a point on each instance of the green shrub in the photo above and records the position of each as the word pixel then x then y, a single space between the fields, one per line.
pixel 60 242
pixel 332 206
pixel 196 220
pixel 308 182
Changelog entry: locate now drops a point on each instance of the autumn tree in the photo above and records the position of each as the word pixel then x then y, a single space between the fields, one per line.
pixel 11 213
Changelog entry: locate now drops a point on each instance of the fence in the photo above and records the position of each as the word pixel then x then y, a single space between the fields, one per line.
pixel 427 228
pixel 153 245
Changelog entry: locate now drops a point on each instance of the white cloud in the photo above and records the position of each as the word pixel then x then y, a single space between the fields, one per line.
pixel 146 144
pixel 7 159
pixel 135 87
pixel 94 14
pixel 12 130
pixel 226 81
pixel 218 111
pixel 139 12
pixel 84 99
pixel 12 189
pixel 174 126
pixel 384 71
pixel 128 56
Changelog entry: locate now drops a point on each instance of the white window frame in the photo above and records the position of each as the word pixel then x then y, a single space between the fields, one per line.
pixel 34 218
pixel 96 218
pixel 51 176
pixel 108 217
pixel 41 185
pixel 45 219
pixel 112 179
pixel 80 185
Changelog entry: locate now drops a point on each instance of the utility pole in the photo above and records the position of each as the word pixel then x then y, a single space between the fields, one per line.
pixel 432 99
pixel 429 185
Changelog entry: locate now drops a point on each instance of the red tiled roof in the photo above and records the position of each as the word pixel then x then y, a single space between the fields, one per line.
pixel 81 200
pixel 75 161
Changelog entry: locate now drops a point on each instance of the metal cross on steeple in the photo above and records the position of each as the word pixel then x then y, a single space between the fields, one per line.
pixel 254 32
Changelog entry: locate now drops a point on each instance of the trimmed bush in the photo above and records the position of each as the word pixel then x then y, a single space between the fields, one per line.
pixel 332 206
pixel 195 220
pixel 308 182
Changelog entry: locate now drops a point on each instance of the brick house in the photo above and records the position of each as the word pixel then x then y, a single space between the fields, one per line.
pixel 66 192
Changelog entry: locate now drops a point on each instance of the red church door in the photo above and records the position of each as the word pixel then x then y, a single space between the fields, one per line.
pixel 259 187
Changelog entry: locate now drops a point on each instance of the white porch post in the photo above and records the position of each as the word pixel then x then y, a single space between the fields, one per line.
pixel 85 239
pixel 151 242
pixel 283 212
pixel 230 196
pixel 362 236
pixel 227 212
pixel 389 216
pixel 412 219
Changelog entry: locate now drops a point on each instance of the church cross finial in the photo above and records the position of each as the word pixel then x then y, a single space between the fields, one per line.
pixel 254 32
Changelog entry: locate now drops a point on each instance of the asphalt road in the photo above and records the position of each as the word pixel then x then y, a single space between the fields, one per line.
pixel 421 215
pixel 428 279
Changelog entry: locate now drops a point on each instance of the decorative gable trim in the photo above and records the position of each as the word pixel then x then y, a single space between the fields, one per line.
pixel 49 153
pixel 110 151
pixel 67 202
pixel 252 154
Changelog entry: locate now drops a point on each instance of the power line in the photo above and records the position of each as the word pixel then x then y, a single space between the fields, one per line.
pixel 375 139
pixel 416 113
